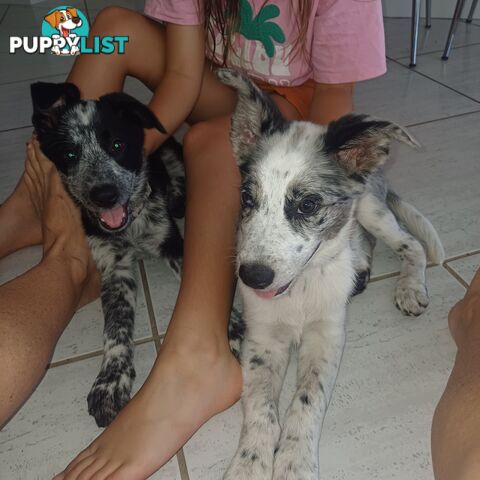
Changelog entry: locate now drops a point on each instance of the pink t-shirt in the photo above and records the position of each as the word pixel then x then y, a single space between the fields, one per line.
pixel 345 39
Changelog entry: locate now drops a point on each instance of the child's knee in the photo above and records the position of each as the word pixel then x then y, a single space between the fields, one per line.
pixel 114 20
pixel 204 136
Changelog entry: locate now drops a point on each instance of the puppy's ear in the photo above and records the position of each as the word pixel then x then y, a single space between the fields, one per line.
pixel 129 107
pixel 361 144
pixel 53 18
pixel 255 114
pixel 72 11
pixel 49 99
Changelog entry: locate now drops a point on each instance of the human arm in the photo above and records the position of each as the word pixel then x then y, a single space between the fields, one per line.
pixel 178 91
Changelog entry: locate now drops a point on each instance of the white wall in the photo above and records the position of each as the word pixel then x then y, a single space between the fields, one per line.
pixel 440 8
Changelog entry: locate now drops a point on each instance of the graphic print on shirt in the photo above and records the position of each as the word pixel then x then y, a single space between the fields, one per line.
pixel 257 45
pixel 259 28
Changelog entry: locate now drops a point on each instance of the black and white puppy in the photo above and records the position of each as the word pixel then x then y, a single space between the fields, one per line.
pixel 308 193
pixel 127 202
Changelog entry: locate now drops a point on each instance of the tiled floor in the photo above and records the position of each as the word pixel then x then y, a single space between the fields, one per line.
pixel 394 368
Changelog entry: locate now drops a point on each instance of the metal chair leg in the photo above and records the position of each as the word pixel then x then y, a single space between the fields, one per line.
pixel 416 4
pixel 428 13
pixel 453 26
pixel 472 11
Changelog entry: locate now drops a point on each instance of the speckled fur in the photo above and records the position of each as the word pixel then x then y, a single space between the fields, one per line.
pixel 152 189
pixel 316 261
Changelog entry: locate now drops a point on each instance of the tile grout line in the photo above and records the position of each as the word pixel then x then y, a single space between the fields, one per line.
pixel 32 79
pixel 434 80
pixel 462 255
pixel 180 455
pixel 4 14
pixel 426 122
pixel 182 465
pixel 385 276
pixel 95 353
pixel 404 57
pixel 455 275
pixel 150 310
pixel 15 128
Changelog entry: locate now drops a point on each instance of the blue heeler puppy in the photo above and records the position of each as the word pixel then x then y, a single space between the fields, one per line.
pixel 127 202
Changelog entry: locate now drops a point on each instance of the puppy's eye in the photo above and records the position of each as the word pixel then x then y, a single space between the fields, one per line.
pixel 308 205
pixel 117 146
pixel 247 199
pixel 71 156
pixel 62 19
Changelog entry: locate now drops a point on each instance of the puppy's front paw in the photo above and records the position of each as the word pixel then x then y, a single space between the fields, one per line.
pixel 291 465
pixel 411 297
pixel 107 398
pixel 249 465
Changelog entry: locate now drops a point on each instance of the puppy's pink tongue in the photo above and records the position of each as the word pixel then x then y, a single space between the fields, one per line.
pixel 266 293
pixel 114 217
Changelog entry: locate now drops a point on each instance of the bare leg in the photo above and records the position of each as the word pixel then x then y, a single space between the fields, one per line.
pixel 456 423
pixel 30 329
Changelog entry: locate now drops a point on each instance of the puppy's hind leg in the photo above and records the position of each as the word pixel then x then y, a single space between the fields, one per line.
pixel 112 387
pixel 265 355
pixel 362 244
pixel 411 296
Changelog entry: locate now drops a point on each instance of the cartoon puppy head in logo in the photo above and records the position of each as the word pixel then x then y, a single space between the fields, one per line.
pixel 64 20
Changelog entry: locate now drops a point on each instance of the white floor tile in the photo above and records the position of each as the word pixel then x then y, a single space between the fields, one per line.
pixel 407 98
pixel 84 333
pixel 441 180
pixel 54 425
pixel 22 66
pixel 466 267
pixel 460 72
pixel 392 374
pixel 12 158
pixel 397 35
pixel 3 9
pixel 16 104
pixel 163 290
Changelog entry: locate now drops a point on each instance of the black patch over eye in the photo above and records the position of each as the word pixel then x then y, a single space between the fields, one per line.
pixel 70 156
pixel 308 205
pixel 117 146
pixel 247 199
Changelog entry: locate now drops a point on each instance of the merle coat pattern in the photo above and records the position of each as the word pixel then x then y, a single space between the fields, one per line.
pixel 127 203
pixel 310 194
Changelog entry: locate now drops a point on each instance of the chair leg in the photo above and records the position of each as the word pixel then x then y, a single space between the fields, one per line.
pixel 472 11
pixel 416 4
pixel 453 26
pixel 428 13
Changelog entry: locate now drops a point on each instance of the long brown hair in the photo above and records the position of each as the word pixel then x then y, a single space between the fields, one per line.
pixel 223 16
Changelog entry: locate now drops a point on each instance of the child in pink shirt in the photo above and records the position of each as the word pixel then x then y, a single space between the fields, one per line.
pixel 307 56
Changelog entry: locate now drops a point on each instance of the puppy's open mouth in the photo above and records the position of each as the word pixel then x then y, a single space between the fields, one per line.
pixel 65 31
pixel 273 293
pixel 115 218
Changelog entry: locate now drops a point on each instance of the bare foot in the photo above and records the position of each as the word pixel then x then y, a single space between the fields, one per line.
pixel 187 386
pixel 20 225
pixel 59 220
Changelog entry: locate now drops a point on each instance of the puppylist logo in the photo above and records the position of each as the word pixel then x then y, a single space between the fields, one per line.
pixel 64 32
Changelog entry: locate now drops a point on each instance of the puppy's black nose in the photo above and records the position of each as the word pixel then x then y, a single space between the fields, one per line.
pixel 105 195
pixel 256 275
pixel 76 20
